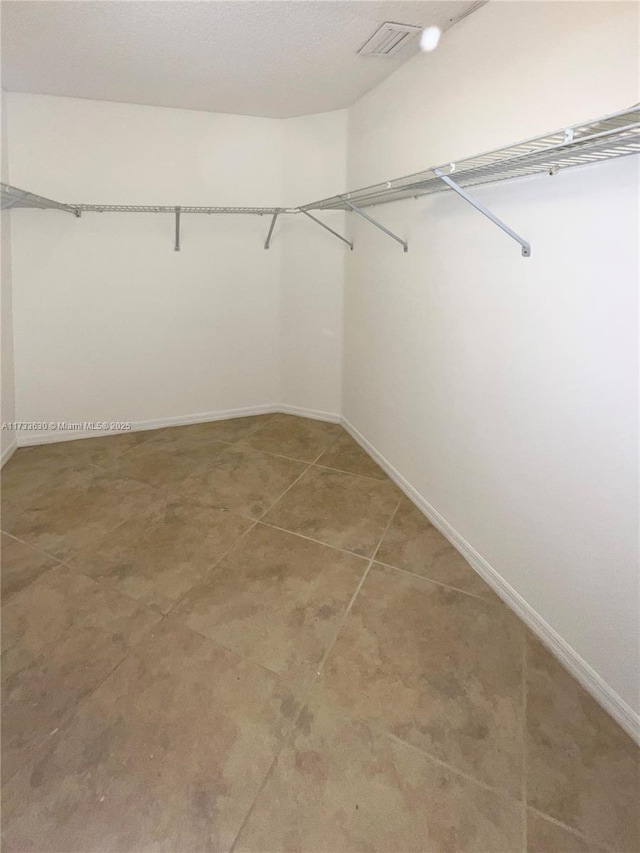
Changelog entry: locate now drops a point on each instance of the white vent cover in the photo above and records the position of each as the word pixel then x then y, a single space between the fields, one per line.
pixel 389 39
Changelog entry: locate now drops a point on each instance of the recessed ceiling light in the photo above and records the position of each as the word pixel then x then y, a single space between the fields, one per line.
pixel 429 38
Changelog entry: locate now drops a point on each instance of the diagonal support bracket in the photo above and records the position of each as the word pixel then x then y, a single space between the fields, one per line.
pixel 526 247
pixel 176 247
pixel 276 214
pixel 377 224
pixel 330 230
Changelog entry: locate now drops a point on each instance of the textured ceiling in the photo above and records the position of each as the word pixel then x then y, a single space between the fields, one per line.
pixel 254 57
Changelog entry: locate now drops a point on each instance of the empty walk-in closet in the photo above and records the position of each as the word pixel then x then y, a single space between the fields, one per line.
pixel 320 477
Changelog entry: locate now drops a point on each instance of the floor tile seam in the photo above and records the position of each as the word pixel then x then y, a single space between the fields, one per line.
pixel 339 434
pixel 129 450
pixel 386 529
pixel 384 479
pixel 132 515
pixel 286 736
pixel 386 733
pixel 214 566
pixel 339 431
pixel 155 429
pixel 440 583
pixel 133 647
pixel 234 652
pixel 70 568
pixel 115 470
pixel 170 493
pixel 254 429
pixel 281 496
pixel 167 492
pixel 261 787
pixel 73 562
pixel 359 586
pixel 77 572
pixel 65 561
pixel 32 547
pixel 69 715
pixel 380 730
pixel 501 791
pixel 243 446
pixel 572 830
pixel 106 584
pixel 311 539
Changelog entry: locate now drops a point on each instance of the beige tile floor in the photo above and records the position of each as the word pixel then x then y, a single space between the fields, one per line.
pixel 241 636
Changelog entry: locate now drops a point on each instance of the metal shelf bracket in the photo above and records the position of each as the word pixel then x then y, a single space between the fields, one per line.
pixel 377 224
pixel 176 247
pixel 526 247
pixel 276 214
pixel 330 230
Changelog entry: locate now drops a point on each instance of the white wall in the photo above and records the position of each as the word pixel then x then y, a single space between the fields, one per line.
pixel 505 390
pixel 110 322
pixel 313 264
pixel 7 387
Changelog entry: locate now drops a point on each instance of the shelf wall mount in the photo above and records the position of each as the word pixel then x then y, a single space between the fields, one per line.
pixel 276 214
pixel 330 230
pixel 526 247
pixel 176 247
pixel 377 224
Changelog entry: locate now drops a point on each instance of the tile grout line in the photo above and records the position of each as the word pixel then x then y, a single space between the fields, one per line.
pixel 29 545
pixel 71 713
pixel 352 473
pixel 211 568
pixel 573 831
pixel 311 539
pixel 262 786
pixel 502 792
pixel 74 710
pixel 440 583
pixel 313 681
pixel 303 701
pixel 166 494
pixel 357 590
pixel 177 426
pixel 291 485
pixel 65 561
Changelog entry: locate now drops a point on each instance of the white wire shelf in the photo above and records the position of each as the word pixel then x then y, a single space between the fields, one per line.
pixel 15 197
pixel 617 135
pixel 150 208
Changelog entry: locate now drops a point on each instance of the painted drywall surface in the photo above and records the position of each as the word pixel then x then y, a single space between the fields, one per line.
pixel 506 389
pixel 110 323
pixel 314 165
pixel 7 389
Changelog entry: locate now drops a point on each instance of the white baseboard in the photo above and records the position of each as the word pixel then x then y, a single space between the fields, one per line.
pixel 8 452
pixel 621 712
pixel 314 414
pixel 30 439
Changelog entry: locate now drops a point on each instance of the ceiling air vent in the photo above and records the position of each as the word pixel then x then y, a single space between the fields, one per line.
pixel 389 39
